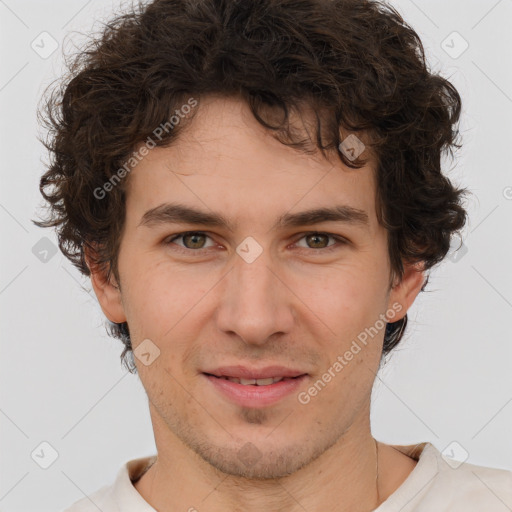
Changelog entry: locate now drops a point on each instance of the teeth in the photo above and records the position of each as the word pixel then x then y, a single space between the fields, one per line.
pixel 255 382
pixel 264 382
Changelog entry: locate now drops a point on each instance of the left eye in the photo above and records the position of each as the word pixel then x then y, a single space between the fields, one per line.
pixel 194 240
pixel 313 237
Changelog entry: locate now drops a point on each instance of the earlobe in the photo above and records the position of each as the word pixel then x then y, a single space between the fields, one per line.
pixel 407 289
pixel 107 291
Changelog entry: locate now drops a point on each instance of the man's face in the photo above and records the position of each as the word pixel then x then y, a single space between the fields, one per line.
pixel 299 304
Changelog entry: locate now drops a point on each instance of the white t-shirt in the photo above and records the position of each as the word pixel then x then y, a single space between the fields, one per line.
pixel 436 484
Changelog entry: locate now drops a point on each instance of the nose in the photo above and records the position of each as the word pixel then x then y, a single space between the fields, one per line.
pixel 256 302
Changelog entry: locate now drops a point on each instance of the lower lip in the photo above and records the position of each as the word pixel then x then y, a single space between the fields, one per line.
pixel 256 396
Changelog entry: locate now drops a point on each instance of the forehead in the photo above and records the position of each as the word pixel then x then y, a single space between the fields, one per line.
pixel 225 160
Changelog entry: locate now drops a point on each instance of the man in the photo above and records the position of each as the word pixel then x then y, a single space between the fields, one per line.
pixel 255 191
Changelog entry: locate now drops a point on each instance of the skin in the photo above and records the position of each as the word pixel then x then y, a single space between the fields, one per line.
pixel 296 305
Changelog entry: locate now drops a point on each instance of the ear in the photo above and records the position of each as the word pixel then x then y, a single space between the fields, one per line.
pixel 107 291
pixel 406 290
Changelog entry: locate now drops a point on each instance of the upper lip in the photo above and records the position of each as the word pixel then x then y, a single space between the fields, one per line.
pixel 243 372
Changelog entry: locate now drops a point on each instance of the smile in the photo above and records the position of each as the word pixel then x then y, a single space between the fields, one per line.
pixel 255 393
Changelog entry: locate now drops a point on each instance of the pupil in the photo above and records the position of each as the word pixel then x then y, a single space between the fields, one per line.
pixel 317 237
pixel 193 236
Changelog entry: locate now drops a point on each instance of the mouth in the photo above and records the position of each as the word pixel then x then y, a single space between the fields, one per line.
pixel 254 382
pixel 257 374
pixel 255 392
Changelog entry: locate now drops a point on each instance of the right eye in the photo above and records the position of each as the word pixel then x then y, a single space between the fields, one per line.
pixel 191 240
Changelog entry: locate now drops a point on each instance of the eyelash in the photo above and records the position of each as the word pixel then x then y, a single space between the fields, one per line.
pixel 340 240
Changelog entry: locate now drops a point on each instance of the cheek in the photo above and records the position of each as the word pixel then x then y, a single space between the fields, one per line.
pixel 160 297
pixel 351 289
pixel 348 301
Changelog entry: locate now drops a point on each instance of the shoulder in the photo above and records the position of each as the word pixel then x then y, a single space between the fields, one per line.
pixel 470 485
pixel 99 500
pixel 460 486
pixel 441 483
pixel 121 495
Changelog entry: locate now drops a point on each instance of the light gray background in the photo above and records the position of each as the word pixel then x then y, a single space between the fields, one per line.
pixel 60 377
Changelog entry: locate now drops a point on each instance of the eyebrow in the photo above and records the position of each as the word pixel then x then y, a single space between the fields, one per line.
pixel 174 213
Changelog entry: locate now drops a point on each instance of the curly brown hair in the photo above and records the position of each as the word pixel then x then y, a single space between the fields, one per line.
pixel 355 63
